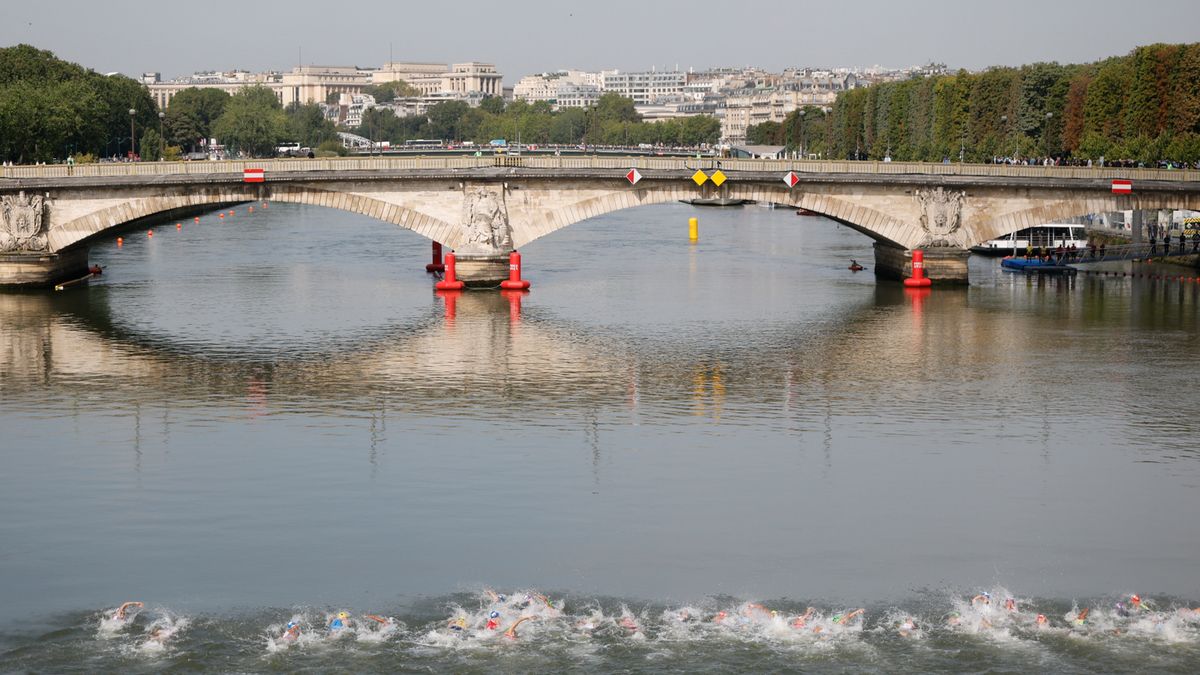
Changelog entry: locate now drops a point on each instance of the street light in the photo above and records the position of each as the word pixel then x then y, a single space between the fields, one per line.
pixel 802 137
pixel 132 146
pixel 1046 134
pixel 162 140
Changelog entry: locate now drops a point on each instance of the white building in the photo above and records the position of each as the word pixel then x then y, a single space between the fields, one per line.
pixel 643 87
pixel 575 85
pixel 433 79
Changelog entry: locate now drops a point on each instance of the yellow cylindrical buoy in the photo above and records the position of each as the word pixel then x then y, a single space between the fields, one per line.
pixel 693 228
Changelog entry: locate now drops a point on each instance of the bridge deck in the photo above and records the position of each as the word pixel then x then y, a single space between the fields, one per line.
pixel 560 163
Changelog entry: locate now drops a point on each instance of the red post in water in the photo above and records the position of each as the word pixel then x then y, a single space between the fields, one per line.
pixel 514 305
pixel 450 283
pixel 451 298
pixel 436 265
pixel 514 281
pixel 918 279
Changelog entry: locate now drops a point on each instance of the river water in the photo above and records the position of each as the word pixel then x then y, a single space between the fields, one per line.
pixel 272 417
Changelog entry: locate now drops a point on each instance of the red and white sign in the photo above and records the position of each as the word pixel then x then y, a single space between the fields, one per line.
pixel 252 176
pixel 633 176
pixel 1122 187
pixel 791 178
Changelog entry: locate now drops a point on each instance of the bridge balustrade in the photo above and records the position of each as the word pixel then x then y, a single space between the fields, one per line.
pixel 276 166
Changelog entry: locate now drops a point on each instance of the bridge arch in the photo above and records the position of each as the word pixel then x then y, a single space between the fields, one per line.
pixel 89 225
pixel 1062 210
pixel 875 224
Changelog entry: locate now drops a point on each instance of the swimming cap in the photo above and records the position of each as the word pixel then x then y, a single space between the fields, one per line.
pixel 501 597
pixel 494 614
pixel 291 624
pixel 343 615
pixel 986 594
pixel 1134 599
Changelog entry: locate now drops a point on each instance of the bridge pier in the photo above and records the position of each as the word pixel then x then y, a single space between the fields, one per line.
pixel 41 269
pixel 944 265
pixel 482 271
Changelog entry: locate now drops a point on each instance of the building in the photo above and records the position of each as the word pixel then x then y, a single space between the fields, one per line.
pixel 576 95
pixel 643 87
pixel 321 84
pixel 547 86
pixel 230 82
pixel 435 79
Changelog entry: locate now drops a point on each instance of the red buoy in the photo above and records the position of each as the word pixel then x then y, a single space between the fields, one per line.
pixel 451 282
pixel 918 279
pixel 436 265
pixel 514 281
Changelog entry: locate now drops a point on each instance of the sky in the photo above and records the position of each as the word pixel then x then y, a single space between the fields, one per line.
pixel 533 36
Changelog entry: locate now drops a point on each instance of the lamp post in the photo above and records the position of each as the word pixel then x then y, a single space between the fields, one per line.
pixel 162 140
pixel 132 145
pixel 802 136
pixel 1046 135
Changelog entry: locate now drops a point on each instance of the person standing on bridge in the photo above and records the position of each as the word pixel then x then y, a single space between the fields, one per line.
pixel 1196 240
pixel 1153 244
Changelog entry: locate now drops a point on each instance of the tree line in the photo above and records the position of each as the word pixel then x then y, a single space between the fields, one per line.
pixel 1142 107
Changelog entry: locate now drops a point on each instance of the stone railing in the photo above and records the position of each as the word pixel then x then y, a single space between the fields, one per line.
pixel 576 162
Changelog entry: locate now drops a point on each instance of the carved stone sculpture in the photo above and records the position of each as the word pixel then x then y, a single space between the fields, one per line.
pixel 485 218
pixel 941 214
pixel 21 223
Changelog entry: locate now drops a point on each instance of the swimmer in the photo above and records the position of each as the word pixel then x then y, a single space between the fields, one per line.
pixel 342 620
pixel 1010 604
pixel 1081 619
pixel 291 632
pixel 844 620
pixel 953 619
pixel 384 622
pixel 1136 602
pixel 458 625
pixel 983 598
pixel 720 616
pixel 1041 620
pixel 628 624
pixel 802 620
pixel 907 627
pixel 493 622
pixel 159 635
pixel 122 613
pixel 855 267
pixel 511 633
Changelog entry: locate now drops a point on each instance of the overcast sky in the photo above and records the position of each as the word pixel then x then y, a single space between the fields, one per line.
pixel 538 35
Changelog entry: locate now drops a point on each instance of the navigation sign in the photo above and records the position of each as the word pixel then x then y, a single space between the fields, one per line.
pixel 699 177
pixel 718 178
pixel 252 176
pixel 790 178
pixel 633 176
pixel 1122 187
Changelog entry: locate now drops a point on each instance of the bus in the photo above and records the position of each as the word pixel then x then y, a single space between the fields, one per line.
pixel 424 144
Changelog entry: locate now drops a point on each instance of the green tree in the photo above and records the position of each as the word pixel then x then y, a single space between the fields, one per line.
pixel 493 105
pixel 306 125
pixel 192 113
pixel 151 146
pixel 252 123
pixel 444 119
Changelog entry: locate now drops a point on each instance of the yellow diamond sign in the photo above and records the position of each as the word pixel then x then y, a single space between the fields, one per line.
pixel 718 178
pixel 699 177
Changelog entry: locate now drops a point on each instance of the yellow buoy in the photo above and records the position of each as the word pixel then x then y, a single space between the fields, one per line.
pixel 693 229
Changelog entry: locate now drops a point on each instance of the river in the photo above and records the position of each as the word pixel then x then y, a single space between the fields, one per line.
pixel 272 417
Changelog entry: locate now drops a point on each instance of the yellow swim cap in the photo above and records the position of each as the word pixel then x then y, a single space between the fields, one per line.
pixel 343 615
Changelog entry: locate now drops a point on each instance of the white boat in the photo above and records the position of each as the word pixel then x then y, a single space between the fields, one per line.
pixel 1050 235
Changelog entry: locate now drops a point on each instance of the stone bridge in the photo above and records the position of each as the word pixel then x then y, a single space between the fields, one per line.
pixel 484 207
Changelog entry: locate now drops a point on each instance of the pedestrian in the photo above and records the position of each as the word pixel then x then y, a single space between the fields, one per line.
pixel 1153 244
pixel 1196 240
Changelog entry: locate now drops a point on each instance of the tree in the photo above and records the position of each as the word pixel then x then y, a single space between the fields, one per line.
pixel 192 113
pixel 306 125
pixel 493 105
pixel 615 108
pixel 151 146
pixel 252 123
pixel 444 119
